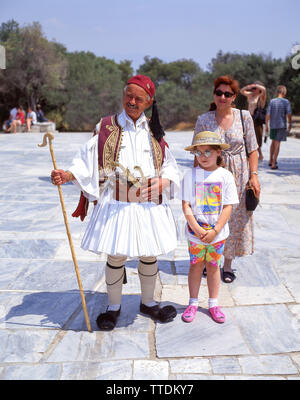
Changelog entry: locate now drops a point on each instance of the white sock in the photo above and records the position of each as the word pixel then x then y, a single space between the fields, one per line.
pixel 212 303
pixel 114 307
pixel 193 302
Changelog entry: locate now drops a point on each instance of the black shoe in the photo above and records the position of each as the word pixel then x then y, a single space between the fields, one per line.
pixel 228 276
pixel 204 273
pixel 108 320
pixel 164 314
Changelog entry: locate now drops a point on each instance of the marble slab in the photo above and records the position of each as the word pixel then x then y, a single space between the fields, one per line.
pixel 265 365
pixel 225 365
pixel 106 370
pixel 201 337
pixel 150 370
pixel 258 281
pixel 268 329
pixel 38 310
pixel 10 270
pixel 32 372
pixel 56 276
pixel 39 248
pixel 289 273
pixel 26 346
pixel 190 365
pixel 100 346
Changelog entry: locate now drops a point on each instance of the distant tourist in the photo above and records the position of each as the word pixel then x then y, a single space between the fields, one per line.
pixel 257 95
pixel 279 110
pixel 224 119
pixel 12 116
pixel 30 119
pixel 20 120
pixel 208 193
pixel 40 115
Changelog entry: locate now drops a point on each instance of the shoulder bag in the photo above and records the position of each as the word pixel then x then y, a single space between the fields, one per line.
pixel 251 199
pixel 259 116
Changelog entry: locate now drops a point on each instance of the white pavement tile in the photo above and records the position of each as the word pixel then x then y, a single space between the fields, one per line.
pixel 197 377
pixel 106 370
pixel 201 337
pixel 100 346
pixel 268 329
pixel 225 365
pixel 25 345
pixel 267 365
pixel 261 295
pixel 190 366
pixel 32 372
pixel 150 370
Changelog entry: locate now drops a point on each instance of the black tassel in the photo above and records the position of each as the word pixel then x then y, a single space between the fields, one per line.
pixel 154 123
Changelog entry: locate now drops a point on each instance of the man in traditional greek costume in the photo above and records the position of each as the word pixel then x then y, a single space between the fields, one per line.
pixel 127 170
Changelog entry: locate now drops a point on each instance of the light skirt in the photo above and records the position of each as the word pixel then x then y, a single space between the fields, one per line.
pixel 132 229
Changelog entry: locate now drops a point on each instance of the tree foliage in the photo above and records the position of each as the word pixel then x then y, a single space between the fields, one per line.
pixel 77 88
pixel 33 66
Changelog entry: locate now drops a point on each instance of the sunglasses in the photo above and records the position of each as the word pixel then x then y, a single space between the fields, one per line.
pixel 206 153
pixel 226 94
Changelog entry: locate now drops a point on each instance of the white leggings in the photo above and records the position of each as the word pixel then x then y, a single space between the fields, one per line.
pixel 116 275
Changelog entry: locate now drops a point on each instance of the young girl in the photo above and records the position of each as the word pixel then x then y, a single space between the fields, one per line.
pixel 208 193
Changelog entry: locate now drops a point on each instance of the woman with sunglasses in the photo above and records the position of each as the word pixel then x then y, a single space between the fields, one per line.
pixel 224 119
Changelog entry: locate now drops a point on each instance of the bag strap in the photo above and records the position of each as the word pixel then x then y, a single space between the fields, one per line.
pixel 258 101
pixel 244 135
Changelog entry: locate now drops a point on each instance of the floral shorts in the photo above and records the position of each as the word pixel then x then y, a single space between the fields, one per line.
pixel 210 253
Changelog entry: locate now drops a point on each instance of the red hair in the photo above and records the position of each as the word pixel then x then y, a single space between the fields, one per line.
pixel 225 80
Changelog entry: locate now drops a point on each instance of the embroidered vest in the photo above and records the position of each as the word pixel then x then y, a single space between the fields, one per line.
pixel 109 140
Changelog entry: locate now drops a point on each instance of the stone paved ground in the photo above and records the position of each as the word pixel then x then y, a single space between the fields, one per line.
pixel 42 327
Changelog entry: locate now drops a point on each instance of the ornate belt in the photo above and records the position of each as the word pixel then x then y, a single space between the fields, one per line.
pixel 126 191
pixel 127 188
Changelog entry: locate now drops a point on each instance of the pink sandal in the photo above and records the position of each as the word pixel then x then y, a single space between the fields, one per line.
pixel 189 313
pixel 217 314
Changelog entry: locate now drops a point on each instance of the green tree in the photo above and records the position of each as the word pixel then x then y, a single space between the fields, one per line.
pixel 174 104
pixel 94 89
pixel 33 65
pixel 290 78
pixel 126 70
pixel 8 28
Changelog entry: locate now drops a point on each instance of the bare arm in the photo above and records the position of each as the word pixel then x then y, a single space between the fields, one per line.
pixel 263 95
pixel 224 217
pixel 289 117
pixel 267 122
pixel 253 163
pixel 191 220
pixel 246 90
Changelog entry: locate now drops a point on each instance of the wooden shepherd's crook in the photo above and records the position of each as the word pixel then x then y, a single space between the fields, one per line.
pixel 50 137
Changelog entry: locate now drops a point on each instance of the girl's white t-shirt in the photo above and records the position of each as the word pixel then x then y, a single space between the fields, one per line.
pixel 207 192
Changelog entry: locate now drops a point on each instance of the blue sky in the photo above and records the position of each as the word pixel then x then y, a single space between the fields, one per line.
pixel 167 29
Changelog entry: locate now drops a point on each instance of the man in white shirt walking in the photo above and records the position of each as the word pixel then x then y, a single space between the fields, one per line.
pixel 131 218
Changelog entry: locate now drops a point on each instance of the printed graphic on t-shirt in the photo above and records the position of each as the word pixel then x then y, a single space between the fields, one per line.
pixel 208 197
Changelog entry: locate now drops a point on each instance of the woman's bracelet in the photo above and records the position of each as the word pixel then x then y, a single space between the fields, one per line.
pixel 215 231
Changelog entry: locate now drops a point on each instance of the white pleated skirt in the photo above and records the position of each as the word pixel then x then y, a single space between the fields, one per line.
pixel 132 229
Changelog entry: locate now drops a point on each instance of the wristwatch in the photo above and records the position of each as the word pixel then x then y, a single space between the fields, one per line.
pixel 254 173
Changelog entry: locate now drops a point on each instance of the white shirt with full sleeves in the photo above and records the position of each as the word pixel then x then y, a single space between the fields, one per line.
pixel 122 228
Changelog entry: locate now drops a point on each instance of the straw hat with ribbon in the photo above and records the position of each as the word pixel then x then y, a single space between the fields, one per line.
pixel 207 138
